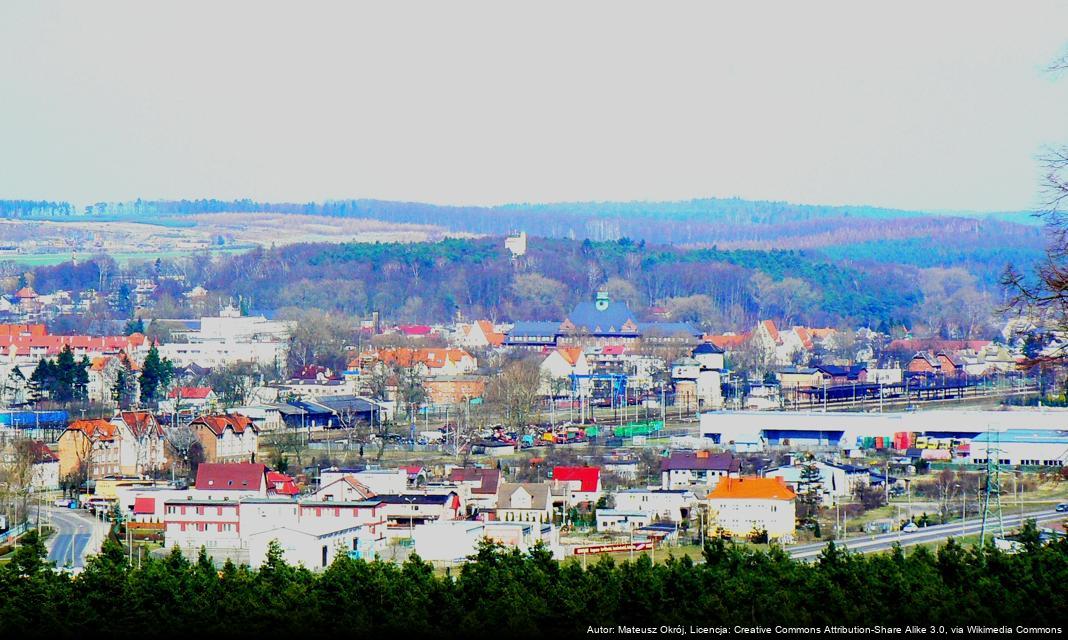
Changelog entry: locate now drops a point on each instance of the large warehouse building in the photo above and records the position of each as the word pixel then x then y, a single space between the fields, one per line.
pixel 756 430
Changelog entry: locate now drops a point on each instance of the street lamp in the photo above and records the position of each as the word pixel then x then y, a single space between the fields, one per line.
pixel 411 516
pixel 963 509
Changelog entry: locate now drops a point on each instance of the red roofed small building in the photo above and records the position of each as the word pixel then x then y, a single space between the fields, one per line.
pixel 344 489
pixel 741 506
pixel 281 484
pixel 479 334
pixel 477 486
pixel 194 400
pixel 583 482
pixel 227 437
pixel 244 478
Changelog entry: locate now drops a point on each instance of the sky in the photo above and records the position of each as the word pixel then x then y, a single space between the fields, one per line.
pixel 915 105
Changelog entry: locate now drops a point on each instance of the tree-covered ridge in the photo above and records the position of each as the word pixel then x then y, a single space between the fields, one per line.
pixel 512 593
pixel 726 221
pixel 431 281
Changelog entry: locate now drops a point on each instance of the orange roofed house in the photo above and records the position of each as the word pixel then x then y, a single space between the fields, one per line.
pixel 479 334
pixel 747 504
pixel 427 361
pixel 92 444
pixel 131 443
pixel 227 437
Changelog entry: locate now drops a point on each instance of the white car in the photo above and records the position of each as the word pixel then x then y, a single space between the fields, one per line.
pixel 62 502
pixel 910 527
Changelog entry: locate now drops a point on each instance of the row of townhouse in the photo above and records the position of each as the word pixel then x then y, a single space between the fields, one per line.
pixel 134 443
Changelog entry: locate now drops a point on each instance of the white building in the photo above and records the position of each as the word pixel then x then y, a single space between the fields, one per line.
pixel 742 506
pixel 675 505
pixel 621 521
pixel 457 540
pixel 1029 447
pixel 751 430
pixel 230 338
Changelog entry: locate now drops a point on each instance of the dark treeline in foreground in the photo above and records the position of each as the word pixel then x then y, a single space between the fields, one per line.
pixel 504 593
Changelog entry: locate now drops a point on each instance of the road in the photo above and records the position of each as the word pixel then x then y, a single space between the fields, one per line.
pixel 73 537
pixel 936 533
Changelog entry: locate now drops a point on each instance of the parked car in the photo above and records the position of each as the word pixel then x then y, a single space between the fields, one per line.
pixel 909 528
pixel 1062 507
pixel 62 502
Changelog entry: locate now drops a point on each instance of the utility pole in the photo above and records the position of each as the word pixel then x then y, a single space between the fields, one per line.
pixel 992 488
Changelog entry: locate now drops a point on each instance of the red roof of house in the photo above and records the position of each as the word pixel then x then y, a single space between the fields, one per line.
pixel 588 477
pixel 772 330
pixel 488 479
pixel 727 342
pixel 936 344
pixel 42 452
pixel 23 330
pixel 37 344
pixel 94 428
pixel 613 350
pixel 141 422
pixel 415 329
pixel 230 476
pixel 219 423
pixel 282 484
pixel 26 293
pixel 145 506
pixel 190 393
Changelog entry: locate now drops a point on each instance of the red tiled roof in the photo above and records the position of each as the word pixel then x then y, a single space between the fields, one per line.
pixel 415 329
pixel 190 393
pixel 727 342
pixel 613 350
pixel 94 428
pixel 144 506
pixel 27 330
pixel 488 479
pixel 588 477
pixel 42 452
pixel 281 484
pixel 232 476
pixel 141 422
pixel 26 293
pixel 219 423
pixel 570 354
pixel 48 345
pixel 937 344
pixel 772 330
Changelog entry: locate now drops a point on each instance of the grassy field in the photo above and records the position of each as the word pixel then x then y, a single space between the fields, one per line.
pixel 50 259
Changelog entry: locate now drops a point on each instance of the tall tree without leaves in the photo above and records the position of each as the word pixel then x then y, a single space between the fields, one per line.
pixel 1041 297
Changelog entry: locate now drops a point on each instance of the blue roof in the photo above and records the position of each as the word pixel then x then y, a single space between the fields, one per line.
pixel 1024 436
pixel 705 347
pixel 535 328
pixel 612 317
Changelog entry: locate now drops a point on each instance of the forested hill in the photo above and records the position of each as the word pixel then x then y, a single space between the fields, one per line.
pixel 727 222
pixel 716 289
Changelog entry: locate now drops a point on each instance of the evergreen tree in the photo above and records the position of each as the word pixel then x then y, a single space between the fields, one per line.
pixel 124 392
pixel 42 380
pixel 80 387
pixel 156 375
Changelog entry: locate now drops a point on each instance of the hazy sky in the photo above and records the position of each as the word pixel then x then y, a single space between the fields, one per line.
pixel 936 105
